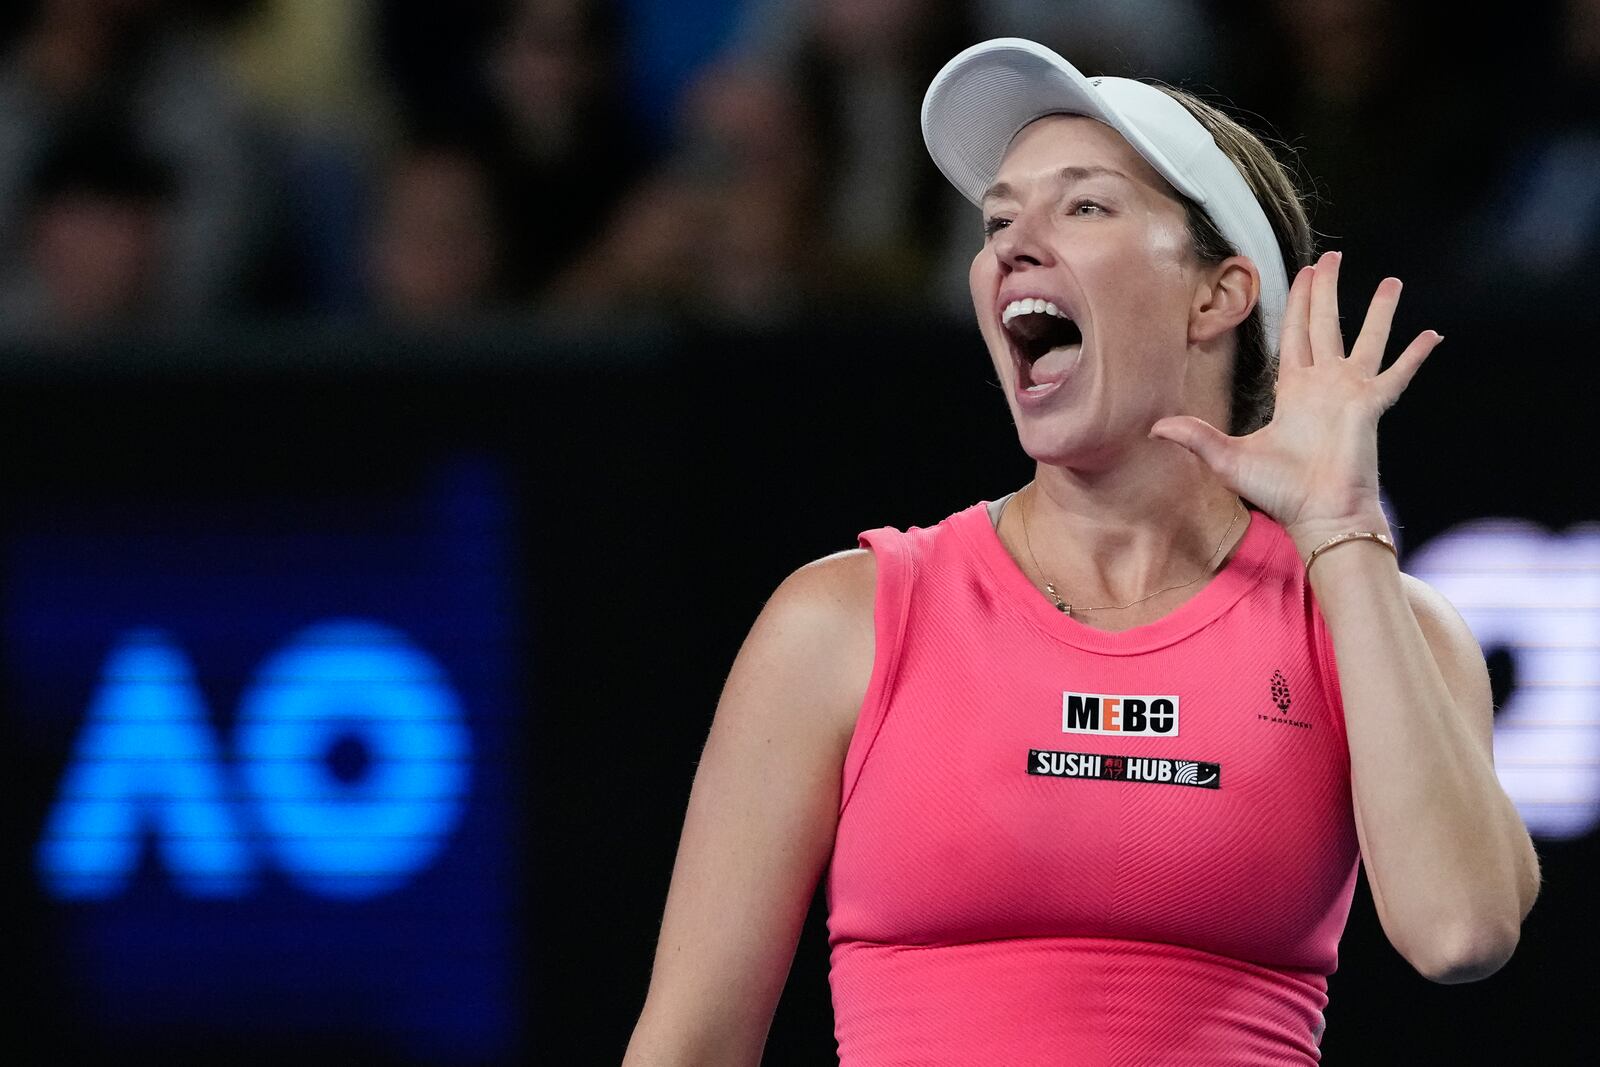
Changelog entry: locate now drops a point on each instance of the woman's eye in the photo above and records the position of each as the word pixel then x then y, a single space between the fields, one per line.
pixel 995 223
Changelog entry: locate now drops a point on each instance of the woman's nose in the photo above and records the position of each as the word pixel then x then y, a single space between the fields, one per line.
pixel 1022 243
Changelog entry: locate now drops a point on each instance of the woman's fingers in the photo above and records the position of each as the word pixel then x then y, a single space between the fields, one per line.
pixel 1374 336
pixel 1216 449
pixel 1327 343
pixel 1311 331
pixel 1393 381
pixel 1294 349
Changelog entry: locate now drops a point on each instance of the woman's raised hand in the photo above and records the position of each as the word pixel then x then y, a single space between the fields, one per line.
pixel 1314 467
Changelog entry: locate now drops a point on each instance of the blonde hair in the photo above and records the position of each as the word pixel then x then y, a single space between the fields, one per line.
pixel 1255 363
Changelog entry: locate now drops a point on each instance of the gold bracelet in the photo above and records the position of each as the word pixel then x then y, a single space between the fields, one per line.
pixel 1366 535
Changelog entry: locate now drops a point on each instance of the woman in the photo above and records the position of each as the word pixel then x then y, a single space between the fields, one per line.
pixel 1090 767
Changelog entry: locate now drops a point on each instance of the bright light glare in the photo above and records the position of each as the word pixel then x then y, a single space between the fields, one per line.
pixel 1537 595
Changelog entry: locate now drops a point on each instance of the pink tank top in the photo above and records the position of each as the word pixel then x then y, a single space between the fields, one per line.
pixel 1058 845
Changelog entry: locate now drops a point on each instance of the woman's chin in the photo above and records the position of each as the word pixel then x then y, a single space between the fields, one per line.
pixel 1065 446
pixel 1055 448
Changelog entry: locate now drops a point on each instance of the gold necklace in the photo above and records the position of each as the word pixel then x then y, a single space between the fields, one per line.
pixel 1064 607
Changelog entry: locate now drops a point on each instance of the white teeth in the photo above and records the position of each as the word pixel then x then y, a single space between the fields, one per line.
pixel 1030 306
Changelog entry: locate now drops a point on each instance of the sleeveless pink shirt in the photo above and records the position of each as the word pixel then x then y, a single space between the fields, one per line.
pixel 1058 845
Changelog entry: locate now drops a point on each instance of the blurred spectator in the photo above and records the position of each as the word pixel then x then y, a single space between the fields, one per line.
pixel 669 44
pixel 97 217
pixel 647 256
pixel 314 64
pixel 865 65
pixel 752 153
pixel 313 75
pixel 529 89
pixel 798 178
pixel 566 150
pixel 434 248
pixel 1536 238
pixel 1383 106
pixel 724 230
pixel 431 55
pixel 131 63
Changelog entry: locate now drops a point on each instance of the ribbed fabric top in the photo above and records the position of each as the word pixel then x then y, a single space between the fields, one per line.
pixel 1059 845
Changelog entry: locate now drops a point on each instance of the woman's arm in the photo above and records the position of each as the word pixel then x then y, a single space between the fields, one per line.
pixel 1452 869
pixel 761 819
pixel 1451 866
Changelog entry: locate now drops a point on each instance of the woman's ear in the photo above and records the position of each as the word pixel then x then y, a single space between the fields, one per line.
pixel 1224 298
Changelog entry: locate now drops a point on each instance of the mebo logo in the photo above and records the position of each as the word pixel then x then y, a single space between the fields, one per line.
pixel 1101 713
pixel 351 762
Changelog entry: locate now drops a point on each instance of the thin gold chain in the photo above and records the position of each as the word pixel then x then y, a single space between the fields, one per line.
pixel 1062 606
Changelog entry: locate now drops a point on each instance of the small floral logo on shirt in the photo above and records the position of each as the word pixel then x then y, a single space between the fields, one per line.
pixel 1280 691
pixel 1280 698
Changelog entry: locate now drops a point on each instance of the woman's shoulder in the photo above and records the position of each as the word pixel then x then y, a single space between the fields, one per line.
pixel 840 584
pixel 846 582
pixel 959 526
pixel 826 608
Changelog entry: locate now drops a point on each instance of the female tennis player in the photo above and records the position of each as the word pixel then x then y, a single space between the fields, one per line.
pixel 1090 768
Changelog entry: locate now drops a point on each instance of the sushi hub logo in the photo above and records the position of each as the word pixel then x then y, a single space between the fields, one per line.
pixel 1099 766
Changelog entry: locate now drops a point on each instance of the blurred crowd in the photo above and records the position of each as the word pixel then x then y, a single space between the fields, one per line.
pixel 167 163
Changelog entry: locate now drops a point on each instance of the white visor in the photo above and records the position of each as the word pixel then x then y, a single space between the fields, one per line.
pixel 983 96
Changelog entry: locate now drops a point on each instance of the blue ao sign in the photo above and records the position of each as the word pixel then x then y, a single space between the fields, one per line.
pixel 146 764
pixel 274 737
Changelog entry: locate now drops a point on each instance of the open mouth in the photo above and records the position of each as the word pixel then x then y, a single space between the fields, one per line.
pixel 1036 328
